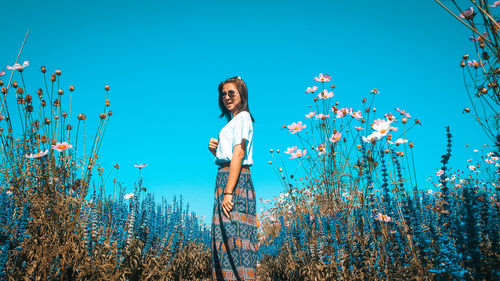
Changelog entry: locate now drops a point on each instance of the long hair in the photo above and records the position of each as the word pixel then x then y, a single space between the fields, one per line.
pixel 242 89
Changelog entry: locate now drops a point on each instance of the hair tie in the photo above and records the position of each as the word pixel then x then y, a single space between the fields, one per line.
pixel 239 78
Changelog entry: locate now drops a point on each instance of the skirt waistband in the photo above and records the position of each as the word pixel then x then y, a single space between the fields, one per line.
pixel 225 167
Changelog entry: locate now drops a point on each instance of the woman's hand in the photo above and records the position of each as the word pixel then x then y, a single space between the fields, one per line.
pixel 212 145
pixel 227 205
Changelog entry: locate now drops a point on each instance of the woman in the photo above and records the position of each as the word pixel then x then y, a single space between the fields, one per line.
pixel 234 223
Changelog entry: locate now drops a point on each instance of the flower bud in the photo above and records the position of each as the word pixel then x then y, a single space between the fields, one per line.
pixel 462 63
pixel 53 77
pixel 28 98
pixel 107 88
pixel 69 127
pixel 374 109
pixel 270 150
pixel 43 103
pixel 401 154
pixel 64 114
pixel 284 126
pixel 56 103
pixel 47 120
pixel 336 103
pixel 404 120
pixel 102 116
pixel 20 100
pixel 484 90
pixel 482 44
pixel 466 56
pixel 29 108
pixel 20 91
pixel 43 69
pixel 58 72
pixel 315 99
pixel 43 139
pixel 358 146
pixel 39 91
pixel 467 110
pixel 1 82
pixel 277 151
pixel 485 56
pixel 56 118
pixel 60 92
pixel 367 110
pixel 53 142
pixel 71 88
pixel 14 84
pixel 389 137
pixel 411 145
pixel 110 113
pixel 386 151
pixel 82 116
pixel 4 90
pixel 106 103
pixel 270 162
pixel 364 100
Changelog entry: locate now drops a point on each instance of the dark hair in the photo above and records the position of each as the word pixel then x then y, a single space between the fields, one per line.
pixel 242 89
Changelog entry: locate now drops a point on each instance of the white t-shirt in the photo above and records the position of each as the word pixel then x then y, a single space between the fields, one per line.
pixel 239 128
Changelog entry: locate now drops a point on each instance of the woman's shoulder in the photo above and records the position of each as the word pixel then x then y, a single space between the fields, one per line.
pixel 243 115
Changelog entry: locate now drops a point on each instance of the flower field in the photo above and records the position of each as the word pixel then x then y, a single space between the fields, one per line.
pixel 352 207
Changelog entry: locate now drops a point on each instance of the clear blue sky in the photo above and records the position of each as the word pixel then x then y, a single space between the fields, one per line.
pixel 164 60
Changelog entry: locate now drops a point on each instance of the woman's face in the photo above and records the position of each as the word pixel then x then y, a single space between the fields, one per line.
pixel 231 97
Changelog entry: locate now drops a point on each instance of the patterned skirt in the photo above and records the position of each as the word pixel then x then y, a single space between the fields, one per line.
pixel 234 241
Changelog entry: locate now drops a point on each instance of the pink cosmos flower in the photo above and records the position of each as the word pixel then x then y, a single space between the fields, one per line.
pixel 37 155
pixel 382 127
pixel 323 78
pixel 128 195
pixel 18 66
pixel 356 114
pixel 494 158
pixel 290 150
pixel 403 112
pixel 383 218
pixel 479 38
pixel 439 172
pixel 321 149
pixel 311 89
pixel 310 114
pixel 322 116
pixel 342 112
pixel 372 137
pixel 61 146
pixel 476 64
pixel 359 128
pixel 399 141
pixel 296 127
pixel 489 161
pixel 298 153
pixel 2 117
pixel 391 128
pixel 495 4
pixel 378 121
pixel 325 94
pixel 335 137
pixel 2 73
pixel 471 167
pixel 375 91
pixel 140 166
pixel 467 14
pixel 390 116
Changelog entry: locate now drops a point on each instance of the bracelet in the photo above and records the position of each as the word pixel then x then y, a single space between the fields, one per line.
pixel 226 193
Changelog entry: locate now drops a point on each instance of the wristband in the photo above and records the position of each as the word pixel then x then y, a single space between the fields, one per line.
pixel 226 193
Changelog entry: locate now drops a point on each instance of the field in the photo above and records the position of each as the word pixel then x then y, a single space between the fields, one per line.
pixel 351 207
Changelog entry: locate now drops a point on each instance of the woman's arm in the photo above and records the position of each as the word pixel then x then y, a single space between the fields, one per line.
pixel 234 173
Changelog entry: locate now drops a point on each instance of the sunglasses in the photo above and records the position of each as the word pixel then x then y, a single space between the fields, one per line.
pixel 230 94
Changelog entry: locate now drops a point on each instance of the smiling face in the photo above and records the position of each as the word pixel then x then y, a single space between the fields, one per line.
pixel 231 97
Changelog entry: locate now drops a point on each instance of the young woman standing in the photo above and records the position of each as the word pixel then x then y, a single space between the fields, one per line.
pixel 234 222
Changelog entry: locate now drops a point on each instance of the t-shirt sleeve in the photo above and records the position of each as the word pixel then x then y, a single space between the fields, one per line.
pixel 242 128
